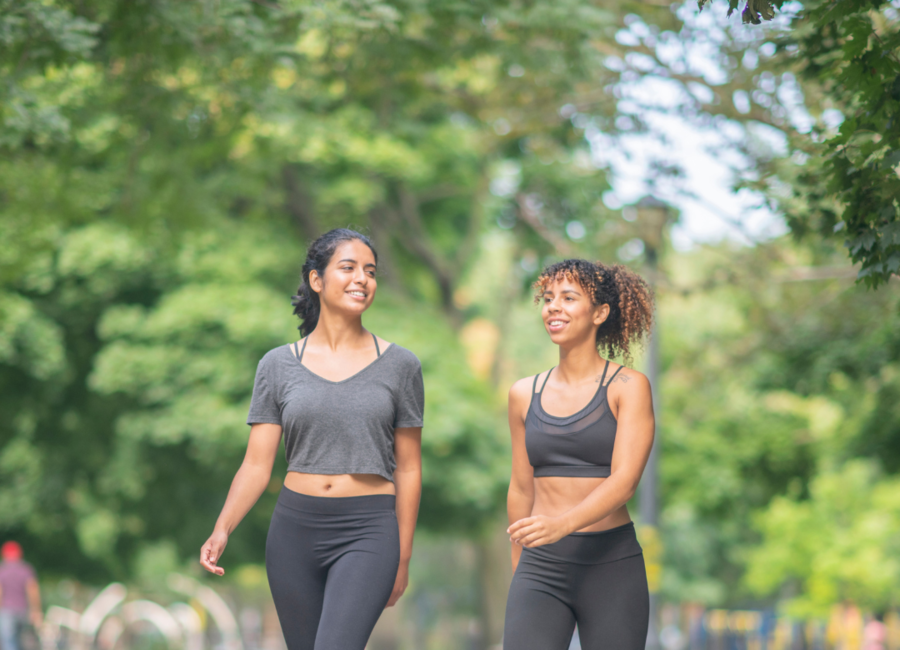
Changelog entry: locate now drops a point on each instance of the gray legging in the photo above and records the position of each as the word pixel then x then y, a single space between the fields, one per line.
pixel 332 563
pixel 596 580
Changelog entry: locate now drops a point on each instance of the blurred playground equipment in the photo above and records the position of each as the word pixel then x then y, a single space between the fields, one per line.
pixel 110 615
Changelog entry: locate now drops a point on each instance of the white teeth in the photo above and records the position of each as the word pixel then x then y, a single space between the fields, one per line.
pixel 553 323
pixel 357 293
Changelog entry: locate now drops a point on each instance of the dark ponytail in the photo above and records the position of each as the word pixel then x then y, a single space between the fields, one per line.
pixel 629 297
pixel 318 255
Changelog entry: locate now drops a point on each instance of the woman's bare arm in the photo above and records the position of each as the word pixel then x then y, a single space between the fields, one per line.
pixel 408 484
pixel 520 498
pixel 248 485
pixel 634 439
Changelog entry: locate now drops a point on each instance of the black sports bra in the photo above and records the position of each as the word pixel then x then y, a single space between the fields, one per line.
pixel 576 445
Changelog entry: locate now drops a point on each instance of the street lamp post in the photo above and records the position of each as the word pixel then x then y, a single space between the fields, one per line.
pixel 652 217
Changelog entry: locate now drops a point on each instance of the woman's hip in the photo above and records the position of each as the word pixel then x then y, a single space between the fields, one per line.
pixel 323 528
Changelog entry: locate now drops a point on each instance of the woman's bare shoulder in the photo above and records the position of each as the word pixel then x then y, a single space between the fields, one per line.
pixel 522 389
pixel 628 383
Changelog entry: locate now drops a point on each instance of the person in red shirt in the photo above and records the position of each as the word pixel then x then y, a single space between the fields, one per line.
pixel 20 596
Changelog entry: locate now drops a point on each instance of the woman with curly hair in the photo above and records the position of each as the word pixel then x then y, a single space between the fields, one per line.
pixel 349 406
pixel 581 435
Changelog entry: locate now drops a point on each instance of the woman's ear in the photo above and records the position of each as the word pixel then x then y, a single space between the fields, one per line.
pixel 315 282
pixel 601 313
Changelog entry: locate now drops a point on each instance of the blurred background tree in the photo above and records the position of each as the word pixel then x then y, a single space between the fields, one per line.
pixel 849 50
pixel 164 164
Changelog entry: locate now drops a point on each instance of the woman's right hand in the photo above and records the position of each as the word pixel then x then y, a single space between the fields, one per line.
pixel 248 485
pixel 212 550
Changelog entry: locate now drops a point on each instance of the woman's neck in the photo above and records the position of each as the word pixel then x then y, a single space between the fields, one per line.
pixel 335 331
pixel 579 362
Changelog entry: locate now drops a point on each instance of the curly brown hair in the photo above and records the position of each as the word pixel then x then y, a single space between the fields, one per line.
pixel 629 297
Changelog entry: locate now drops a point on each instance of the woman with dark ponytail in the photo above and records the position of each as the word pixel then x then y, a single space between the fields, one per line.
pixel 349 406
pixel 581 435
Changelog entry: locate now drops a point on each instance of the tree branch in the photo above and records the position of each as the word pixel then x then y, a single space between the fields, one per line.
pixel 415 240
pixel 298 203
pixel 530 216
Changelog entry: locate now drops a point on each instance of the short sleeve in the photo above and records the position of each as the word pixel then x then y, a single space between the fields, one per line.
pixel 411 401
pixel 264 407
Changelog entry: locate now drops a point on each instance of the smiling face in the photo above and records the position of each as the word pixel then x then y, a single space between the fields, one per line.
pixel 348 283
pixel 570 316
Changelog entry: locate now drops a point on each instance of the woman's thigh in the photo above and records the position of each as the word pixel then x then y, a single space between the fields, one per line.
pixel 612 605
pixel 297 581
pixel 538 616
pixel 359 585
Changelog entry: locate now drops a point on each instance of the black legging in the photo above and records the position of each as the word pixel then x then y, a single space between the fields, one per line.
pixel 332 563
pixel 596 580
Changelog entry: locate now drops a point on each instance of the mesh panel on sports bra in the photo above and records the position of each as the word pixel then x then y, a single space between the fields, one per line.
pixel 572 424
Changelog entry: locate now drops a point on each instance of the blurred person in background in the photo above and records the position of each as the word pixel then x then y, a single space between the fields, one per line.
pixel 845 627
pixel 350 408
pixel 875 632
pixel 20 596
pixel 581 435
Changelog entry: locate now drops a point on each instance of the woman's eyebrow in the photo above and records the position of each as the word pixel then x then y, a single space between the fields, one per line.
pixel 355 262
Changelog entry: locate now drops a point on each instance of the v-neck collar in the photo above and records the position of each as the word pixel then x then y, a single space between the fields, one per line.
pixel 354 375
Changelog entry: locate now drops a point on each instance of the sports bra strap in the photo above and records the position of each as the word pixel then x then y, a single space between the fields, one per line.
pixel 614 374
pixel 546 379
pixel 302 350
pixel 603 376
pixel 377 349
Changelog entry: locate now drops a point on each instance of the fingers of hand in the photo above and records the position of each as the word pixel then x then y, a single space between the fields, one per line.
pixel 212 568
pixel 535 539
pixel 395 595
pixel 208 559
pixel 519 524
pixel 526 531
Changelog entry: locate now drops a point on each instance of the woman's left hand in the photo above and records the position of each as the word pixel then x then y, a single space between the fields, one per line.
pixel 537 531
pixel 400 584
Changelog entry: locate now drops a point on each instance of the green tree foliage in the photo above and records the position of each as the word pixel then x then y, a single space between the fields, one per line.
pixel 848 52
pixel 773 381
pixel 839 544
pixel 755 11
pixel 851 49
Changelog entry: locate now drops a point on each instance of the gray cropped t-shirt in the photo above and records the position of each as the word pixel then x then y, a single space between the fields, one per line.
pixel 339 427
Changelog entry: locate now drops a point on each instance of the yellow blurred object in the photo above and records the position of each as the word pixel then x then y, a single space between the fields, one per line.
pixel 480 337
pixel 651 542
pixel 284 77
pixel 892 624
pixel 313 44
pixel 201 612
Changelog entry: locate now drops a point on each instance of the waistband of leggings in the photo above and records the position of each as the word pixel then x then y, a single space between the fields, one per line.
pixel 366 504
pixel 591 548
pixel 627 529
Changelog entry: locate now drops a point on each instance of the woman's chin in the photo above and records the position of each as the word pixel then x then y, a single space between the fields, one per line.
pixel 558 337
pixel 354 308
pixel 565 339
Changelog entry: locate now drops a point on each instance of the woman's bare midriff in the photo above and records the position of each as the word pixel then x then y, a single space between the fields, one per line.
pixel 556 495
pixel 338 485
